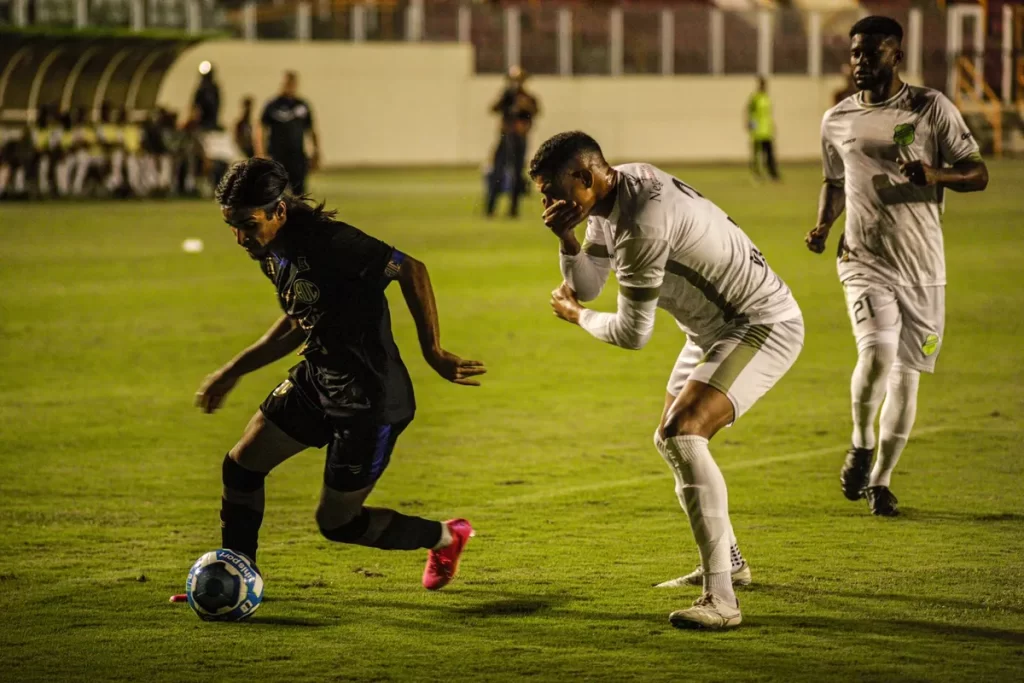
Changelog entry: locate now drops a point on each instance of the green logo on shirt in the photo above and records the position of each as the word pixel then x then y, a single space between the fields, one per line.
pixel 903 134
pixel 931 343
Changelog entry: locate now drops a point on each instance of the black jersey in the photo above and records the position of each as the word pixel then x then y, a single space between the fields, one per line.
pixel 330 278
pixel 288 119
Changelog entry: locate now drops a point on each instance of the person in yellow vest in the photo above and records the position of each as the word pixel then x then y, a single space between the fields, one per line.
pixel 761 126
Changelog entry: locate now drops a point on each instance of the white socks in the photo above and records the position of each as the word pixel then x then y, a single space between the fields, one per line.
pixel 898 415
pixel 867 388
pixel 446 537
pixel 703 494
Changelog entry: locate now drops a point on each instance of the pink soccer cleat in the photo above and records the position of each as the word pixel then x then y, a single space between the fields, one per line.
pixel 443 564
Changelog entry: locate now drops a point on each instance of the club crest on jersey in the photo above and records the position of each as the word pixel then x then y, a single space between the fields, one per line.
pixel 931 343
pixel 306 291
pixel 903 134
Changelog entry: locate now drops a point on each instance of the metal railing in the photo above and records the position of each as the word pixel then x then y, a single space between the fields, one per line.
pixel 546 38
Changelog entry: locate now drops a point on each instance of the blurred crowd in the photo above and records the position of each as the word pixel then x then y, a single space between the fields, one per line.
pixel 80 153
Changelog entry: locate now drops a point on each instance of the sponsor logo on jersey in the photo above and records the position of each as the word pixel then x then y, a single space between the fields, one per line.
pixel 301 264
pixel 966 136
pixel 305 291
pixel 931 344
pixel 903 134
pixel 283 388
pixel 850 141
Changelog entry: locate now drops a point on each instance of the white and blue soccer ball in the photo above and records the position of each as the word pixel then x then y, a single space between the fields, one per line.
pixel 224 586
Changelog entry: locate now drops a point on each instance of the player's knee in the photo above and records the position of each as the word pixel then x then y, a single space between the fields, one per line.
pixel 688 421
pixel 342 526
pixel 878 359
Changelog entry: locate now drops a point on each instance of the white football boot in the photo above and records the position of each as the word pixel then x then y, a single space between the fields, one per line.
pixel 740 577
pixel 708 612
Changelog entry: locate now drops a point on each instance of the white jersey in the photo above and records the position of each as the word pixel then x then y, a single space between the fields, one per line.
pixel 893 227
pixel 665 241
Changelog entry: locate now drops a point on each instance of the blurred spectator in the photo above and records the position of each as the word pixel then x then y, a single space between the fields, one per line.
pixel 761 125
pixel 206 102
pixel 517 108
pixel 285 120
pixel 243 129
pixel 48 149
pixel 17 158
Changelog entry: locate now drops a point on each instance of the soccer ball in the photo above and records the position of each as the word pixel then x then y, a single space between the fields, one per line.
pixel 224 586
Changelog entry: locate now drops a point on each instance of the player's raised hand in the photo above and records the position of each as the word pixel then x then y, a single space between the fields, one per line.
pixel 565 304
pixel 816 239
pixel 214 390
pixel 918 173
pixel 455 369
pixel 561 216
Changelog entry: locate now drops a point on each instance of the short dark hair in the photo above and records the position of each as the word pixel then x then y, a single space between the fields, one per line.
pixel 260 183
pixel 879 26
pixel 556 153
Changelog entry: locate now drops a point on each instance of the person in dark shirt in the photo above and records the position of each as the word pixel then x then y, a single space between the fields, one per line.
pixel 285 120
pixel 206 101
pixel 351 392
pixel 517 108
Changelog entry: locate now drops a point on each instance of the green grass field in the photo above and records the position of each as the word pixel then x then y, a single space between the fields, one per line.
pixel 110 479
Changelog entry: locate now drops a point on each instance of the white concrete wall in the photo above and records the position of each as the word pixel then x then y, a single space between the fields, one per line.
pixel 421 104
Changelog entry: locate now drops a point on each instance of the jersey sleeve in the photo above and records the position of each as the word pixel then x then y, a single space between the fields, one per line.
pixel 587 271
pixel 831 163
pixel 360 256
pixel 956 143
pixel 640 271
pixel 641 266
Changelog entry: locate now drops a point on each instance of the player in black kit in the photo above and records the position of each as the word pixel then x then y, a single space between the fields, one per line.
pixel 351 392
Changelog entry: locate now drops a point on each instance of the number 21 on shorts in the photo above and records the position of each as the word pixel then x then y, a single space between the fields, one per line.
pixel 862 309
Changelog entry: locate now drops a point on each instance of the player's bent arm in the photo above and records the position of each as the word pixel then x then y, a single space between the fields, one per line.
pixel 631 326
pixel 283 337
pixel 831 202
pixel 586 271
pixel 969 175
pixel 419 297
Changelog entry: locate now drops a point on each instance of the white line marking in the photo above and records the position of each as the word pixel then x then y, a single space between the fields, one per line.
pixel 667 476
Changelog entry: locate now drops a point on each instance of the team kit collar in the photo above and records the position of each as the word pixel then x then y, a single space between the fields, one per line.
pixel 859 99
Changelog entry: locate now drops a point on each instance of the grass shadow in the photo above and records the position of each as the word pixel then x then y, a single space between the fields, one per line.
pixel 286 621
pixel 918 601
pixel 889 627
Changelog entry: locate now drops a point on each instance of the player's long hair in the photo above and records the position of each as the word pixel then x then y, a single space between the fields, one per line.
pixel 259 184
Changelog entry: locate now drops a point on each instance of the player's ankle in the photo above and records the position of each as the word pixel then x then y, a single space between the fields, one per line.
pixel 446 537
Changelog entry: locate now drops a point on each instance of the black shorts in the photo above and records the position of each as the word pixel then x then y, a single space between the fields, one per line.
pixel 359 447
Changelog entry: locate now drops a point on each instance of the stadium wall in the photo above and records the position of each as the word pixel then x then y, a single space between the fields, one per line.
pixel 421 104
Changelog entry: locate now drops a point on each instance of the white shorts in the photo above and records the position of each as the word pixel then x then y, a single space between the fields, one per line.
pixel 911 317
pixel 743 364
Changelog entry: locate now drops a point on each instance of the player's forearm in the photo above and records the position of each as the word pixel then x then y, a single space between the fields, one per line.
pixel 630 327
pixel 831 203
pixel 282 338
pixel 966 176
pixel 419 297
pixel 585 274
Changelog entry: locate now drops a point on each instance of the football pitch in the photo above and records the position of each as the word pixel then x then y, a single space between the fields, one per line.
pixel 110 479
